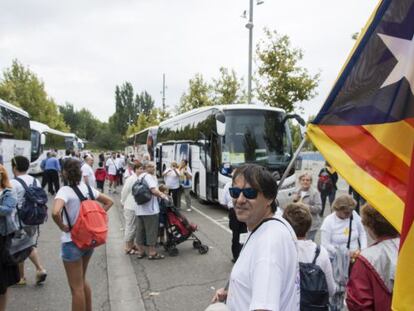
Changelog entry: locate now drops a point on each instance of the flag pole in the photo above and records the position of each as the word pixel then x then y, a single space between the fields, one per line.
pixel 292 161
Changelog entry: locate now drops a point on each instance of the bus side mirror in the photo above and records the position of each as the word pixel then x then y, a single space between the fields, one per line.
pixel 299 119
pixel 220 123
pixel 42 139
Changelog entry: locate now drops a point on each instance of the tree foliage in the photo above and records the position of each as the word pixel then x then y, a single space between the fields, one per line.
pixel 227 88
pixel 281 82
pixel 198 94
pixel 21 87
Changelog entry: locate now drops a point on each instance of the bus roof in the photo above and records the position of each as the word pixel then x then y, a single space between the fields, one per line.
pixel 42 128
pixel 13 107
pixel 144 130
pixel 221 108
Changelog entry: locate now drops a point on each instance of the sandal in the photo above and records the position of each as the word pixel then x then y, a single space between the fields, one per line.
pixel 156 256
pixel 140 256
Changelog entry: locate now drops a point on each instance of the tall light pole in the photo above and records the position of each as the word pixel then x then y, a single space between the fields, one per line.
pixel 163 91
pixel 249 26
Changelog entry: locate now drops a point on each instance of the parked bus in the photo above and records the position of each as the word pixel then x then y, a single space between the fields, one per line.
pixel 14 134
pixel 45 139
pixel 71 141
pixel 217 139
pixel 142 143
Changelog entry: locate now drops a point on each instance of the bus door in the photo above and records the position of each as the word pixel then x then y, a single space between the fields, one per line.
pixel 212 160
pixel 158 157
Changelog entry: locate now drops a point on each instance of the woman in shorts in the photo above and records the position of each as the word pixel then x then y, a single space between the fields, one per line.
pixel 75 260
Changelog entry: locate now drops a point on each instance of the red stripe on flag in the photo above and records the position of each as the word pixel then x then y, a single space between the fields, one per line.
pixel 371 156
pixel 411 122
pixel 409 205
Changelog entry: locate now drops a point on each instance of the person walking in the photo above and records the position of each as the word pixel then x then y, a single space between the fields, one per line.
pixel 327 180
pixel 88 175
pixel 52 170
pixel 306 194
pixel 186 177
pixel 9 273
pixel 236 227
pixel 130 206
pixel 20 166
pixel 172 181
pixel 100 176
pixel 75 260
pixel 112 171
pixel 147 215
pixel 266 274
pixel 371 282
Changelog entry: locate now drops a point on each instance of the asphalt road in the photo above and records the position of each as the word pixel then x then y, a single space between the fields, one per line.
pixel 188 281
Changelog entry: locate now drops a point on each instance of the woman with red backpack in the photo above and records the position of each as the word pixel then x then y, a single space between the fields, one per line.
pixel 75 259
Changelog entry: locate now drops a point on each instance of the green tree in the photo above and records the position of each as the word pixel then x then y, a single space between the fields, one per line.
pixel 145 102
pixel 198 94
pixel 227 88
pixel 125 108
pixel 281 82
pixel 145 120
pixel 107 139
pixel 21 87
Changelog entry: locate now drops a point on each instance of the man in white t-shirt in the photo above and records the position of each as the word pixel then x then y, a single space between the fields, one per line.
pixel 112 172
pixel 88 175
pixel 266 274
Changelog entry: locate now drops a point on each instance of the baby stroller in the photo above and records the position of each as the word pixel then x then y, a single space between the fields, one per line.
pixel 179 229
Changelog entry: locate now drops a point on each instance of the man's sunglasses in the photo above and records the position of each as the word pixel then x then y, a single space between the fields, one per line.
pixel 248 193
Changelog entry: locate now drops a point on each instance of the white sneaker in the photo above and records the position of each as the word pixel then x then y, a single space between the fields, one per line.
pixel 189 209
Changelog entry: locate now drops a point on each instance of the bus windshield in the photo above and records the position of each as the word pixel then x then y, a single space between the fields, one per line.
pixel 256 136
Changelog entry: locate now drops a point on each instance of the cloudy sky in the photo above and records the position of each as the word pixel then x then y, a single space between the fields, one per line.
pixel 82 49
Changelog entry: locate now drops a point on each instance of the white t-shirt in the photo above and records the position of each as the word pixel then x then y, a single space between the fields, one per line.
pixel 227 200
pixel 119 162
pixel 72 205
pixel 172 178
pixel 151 207
pixel 18 189
pixel 306 251
pixel 112 168
pixel 87 171
pixel 266 274
pixel 335 232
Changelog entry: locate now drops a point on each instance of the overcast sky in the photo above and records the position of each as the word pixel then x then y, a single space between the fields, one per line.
pixel 82 49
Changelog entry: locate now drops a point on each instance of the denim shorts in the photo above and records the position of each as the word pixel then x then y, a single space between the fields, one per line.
pixel 70 252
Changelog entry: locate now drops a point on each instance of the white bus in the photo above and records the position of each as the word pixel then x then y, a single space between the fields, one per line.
pixel 45 139
pixel 14 134
pixel 142 143
pixel 217 139
pixel 72 141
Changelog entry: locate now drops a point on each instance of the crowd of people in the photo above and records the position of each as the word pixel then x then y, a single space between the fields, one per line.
pixel 281 267
pixel 273 249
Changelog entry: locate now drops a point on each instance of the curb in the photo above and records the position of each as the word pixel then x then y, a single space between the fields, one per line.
pixel 124 293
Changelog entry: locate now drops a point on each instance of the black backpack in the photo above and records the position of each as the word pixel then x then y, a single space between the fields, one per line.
pixel 33 211
pixel 141 192
pixel 314 293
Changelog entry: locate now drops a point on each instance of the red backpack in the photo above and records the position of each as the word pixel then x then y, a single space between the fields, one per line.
pixel 91 227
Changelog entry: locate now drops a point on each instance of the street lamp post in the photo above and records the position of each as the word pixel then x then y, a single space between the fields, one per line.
pixel 249 26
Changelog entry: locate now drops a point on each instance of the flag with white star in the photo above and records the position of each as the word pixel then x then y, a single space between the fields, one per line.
pixel 365 128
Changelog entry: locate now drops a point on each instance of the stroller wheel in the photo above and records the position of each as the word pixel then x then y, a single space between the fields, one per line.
pixel 173 252
pixel 203 249
pixel 196 244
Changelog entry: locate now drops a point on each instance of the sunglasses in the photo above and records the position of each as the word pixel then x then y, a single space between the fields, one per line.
pixel 248 193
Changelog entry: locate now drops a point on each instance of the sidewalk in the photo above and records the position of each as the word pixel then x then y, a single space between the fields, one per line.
pixel 110 273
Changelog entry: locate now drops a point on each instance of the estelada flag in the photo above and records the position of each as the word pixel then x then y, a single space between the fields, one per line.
pixel 365 129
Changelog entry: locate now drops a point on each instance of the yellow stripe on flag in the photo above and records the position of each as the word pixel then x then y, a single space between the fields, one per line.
pixel 402 299
pixel 378 195
pixel 387 133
